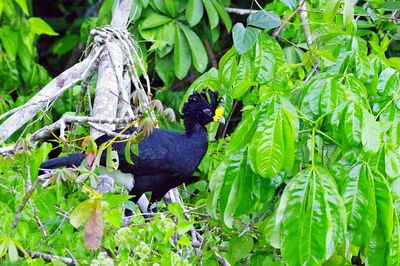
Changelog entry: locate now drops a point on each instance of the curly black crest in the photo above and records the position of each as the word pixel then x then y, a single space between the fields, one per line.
pixel 200 101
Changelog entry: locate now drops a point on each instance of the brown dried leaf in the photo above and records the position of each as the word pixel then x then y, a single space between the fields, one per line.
pixel 94 228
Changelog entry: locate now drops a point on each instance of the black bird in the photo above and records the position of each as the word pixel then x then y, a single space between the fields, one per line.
pixel 166 158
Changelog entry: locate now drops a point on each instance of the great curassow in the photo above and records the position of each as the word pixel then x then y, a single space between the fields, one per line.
pixel 166 159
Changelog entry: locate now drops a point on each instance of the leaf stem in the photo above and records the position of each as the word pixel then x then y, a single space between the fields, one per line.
pixel 313 147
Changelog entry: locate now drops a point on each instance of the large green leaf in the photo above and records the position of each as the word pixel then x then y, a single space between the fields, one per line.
pixel 153 20
pixel 387 80
pixel 330 10
pixel 194 12
pixel 271 146
pixel 348 16
pixel 228 67
pixel 199 54
pixel 268 59
pixel 243 133
pixel 359 198
pixel 392 161
pixel 243 38
pixel 384 206
pixel 182 56
pixel 394 245
pixel 223 14
pixel 353 123
pixel 378 250
pixel 215 184
pixel 39 26
pixel 244 75
pixel 371 135
pixel 264 20
pixel 304 223
pixel 211 13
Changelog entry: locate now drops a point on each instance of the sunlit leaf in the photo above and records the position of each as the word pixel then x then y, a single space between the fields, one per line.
pixel 39 26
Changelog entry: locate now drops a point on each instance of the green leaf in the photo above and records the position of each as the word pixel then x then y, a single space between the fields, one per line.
pixel 194 12
pixel 394 245
pixel 115 200
pixel 392 161
pixel 289 133
pixel 268 59
pixel 81 213
pixel 172 7
pixel 271 146
pixel 384 206
pixel 378 250
pixel 228 67
pixel 353 124
pixel 310 219
pixel 223 14
pixel 243 38
pixel 127 153
pixel 65 44
pixel 164 69
pixel 215 184
pixel 153 20
pixel 359 199
pixel 12 251
pixel 184 226
pixel 39 26
pixel 114 217
pixel 199 54
pixel 387 80
pixel 264 20
pixel 292 4
pixel 176 209
pixel 348 16
pixel 23 5
pixel 10 41
pixel 182 58
pixel 331 8
pixel 239 247
pixel 244 75
pixel 3 246
pixel 371 135
pixel 243 133
pixel 211 13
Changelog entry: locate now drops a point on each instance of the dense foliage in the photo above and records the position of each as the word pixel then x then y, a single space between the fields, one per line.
pixel 306 171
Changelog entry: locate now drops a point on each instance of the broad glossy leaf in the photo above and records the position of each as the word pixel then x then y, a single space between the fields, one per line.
pixel 10 41
pixel 359 198
pixel 81 213
pixel 211 13
pixel 182 56
pixel 353 118
pixel 384 205
pixel 153 20
pixel 392 161
pixel 223 14
pixel 164 69
pixel 243 133
pixel 362 62
pixel 378 250
pixel 215 184
pixel 12 251
pixel 243 38
pixel 289 133
pixel 233 179
pixel 199 54
pixel 387 80
pixel 39 26
pixel 228 67
pixel 330 10
pixel 394 245
pixel 271 146
pixel 348 16
pixel 23 5
pixel 194 11
pixel 264 19
pixel 371 135
pixel 244 75
pixel 172 7
pixel 302 222
pixel 268 59
pixel 239 247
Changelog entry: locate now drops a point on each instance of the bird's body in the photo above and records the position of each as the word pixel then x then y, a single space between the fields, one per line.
pixel 165 159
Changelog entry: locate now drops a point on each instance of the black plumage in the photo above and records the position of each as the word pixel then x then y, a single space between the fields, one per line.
pixel 166 158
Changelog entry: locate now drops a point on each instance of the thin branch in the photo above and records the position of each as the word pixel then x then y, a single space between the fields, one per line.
pixel 240 11
pixel 211 54
pixel 50 257
pixel 21 206
pixel 304 22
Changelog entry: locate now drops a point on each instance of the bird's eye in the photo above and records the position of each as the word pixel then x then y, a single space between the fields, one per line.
pixel 207 112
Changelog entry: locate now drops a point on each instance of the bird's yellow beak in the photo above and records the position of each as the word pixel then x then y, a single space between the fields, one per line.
pixel 218 116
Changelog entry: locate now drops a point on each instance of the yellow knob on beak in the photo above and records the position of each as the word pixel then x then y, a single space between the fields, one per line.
pixel 218 116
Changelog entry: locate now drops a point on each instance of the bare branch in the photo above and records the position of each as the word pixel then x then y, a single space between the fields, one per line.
pixel 304 22
pixel 48 94
pixel 50 257
pixel 240 11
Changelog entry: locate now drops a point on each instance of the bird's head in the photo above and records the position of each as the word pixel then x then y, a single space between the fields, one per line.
pixel 202 108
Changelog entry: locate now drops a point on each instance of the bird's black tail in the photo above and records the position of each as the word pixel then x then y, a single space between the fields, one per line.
pixel 67 161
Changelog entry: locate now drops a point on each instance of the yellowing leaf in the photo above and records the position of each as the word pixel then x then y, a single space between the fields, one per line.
pixel 94 228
